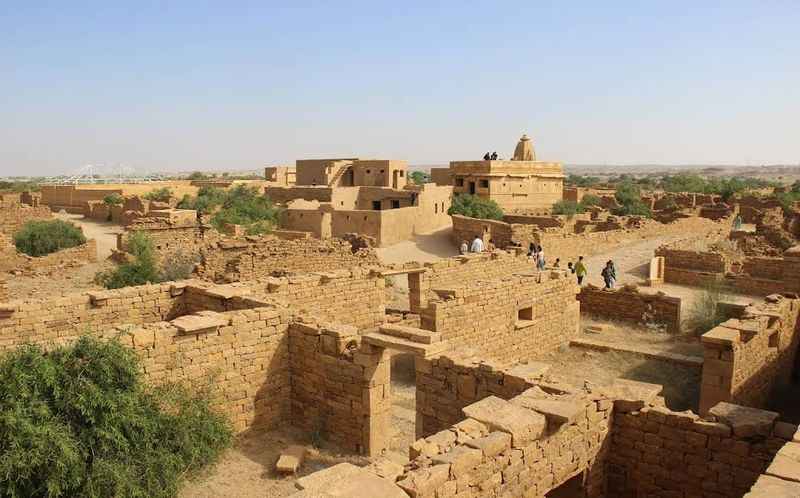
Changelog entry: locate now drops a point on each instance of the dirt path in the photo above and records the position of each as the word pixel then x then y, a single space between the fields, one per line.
pixel 105 233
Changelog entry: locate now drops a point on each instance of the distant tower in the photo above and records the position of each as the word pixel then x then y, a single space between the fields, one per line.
pixel 524 150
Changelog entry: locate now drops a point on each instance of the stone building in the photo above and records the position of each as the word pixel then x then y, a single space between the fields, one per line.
pixel 371 197
pixel 517 184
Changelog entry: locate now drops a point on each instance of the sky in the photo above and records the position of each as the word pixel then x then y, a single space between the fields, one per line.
pixel 182 86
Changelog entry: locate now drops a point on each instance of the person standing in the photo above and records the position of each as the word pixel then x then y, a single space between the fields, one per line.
pixel 609 275
pixel 542 261
pixel 477 245
pixel 580 270
pixel 737 223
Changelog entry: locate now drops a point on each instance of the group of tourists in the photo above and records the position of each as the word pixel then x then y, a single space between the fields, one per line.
pixel 536 254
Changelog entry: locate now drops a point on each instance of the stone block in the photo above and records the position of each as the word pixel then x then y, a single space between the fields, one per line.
pixel 772 487
pixel 290 459
pixel 631 395
pixel 461 459
pixel 500 415
pixel 493 444
pixel 744 421
pixel 557 409
pixel 423 482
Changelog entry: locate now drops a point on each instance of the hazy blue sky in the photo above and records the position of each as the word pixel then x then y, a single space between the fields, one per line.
pixel 184 85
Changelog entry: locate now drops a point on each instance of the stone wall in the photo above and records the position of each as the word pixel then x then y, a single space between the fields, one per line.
pixel 657 452
pixel 448 383
pixel 525 446
pixel 242 357
pixel 508 319
pixel 563 242
pixel 230 260
pixel 14 214
pixel 352 297
pixel 463 269
pixel 628 304
pixel 748 359
pixel 62 319
pixel 339 392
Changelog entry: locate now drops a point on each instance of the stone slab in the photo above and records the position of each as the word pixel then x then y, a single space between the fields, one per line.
pixel 558 410
pixel 529 371
pixel 722 336
pixel 772 487
pixel 346 480
pixel 404 345
pixel 411 333
pixel 500 415
pixel 744 421
pixel 630 395
pixel 200 322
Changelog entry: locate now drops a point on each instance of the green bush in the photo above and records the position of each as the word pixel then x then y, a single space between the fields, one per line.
pixel 207 199
pixel 419 177
pixel 246 206
pixel 20 186
pixel 163 194
pixel 568 207
pixel 590 200
pixel 79 421
pixel 628 196
pixel 197 175
pixel 582 181
pixel 39 238
pixel 113 199
pixel 475 207
pixel 142 270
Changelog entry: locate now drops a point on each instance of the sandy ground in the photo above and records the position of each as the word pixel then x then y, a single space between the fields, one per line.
pixel 248 469
pixel 424 248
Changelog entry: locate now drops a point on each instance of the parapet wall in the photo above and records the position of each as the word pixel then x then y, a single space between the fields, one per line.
pixel 748 359
pixel 562 242
pixel 628 304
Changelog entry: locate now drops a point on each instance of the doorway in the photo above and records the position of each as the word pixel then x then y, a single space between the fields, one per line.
pixel 472 188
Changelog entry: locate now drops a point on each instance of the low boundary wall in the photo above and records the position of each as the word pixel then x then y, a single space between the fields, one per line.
pixel 628 304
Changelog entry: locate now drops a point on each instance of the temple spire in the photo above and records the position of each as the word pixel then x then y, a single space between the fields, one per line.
pixel 524 150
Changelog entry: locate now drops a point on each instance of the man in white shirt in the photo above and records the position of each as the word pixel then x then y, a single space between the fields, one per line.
pixel 477 245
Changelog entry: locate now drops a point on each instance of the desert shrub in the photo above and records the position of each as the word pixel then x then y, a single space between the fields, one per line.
pixel 113 199
pixel 20 186
pixel 178 265
pixel 42 237
pixel 246 206
pixel 706 312
pixel 475 207
pixel 163 194
pixel 79 421
pixel 590 200
pixel 568 207
pixel 142 270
